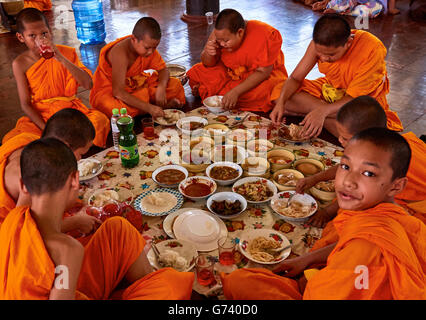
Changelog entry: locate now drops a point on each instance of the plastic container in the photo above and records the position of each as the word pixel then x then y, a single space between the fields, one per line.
pixel 128 143
pixel 114 128
pixel 89 21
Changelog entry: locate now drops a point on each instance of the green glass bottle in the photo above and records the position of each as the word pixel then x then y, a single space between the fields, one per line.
pixel 128 143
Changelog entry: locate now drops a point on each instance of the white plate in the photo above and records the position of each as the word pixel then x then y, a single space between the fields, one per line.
pixel 184 248
pixel 303 198
pixel 124 195
pixel 163 122
pixel 200 227
pixel 170 219
pixel 92 175
pixel 252 234
pixel 138 205
pixel 271 186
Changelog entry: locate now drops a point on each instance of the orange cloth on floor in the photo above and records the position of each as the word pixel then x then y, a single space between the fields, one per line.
pixel 138 83
pixel 385 240
pixel 53 88
pixel 258 284
pixel 261 47
pixel 28 272
pixel 361 71
pixel 388 242
pixel 42 5
pixel 7 203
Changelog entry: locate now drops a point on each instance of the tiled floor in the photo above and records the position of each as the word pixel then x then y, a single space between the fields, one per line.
pixel 182 43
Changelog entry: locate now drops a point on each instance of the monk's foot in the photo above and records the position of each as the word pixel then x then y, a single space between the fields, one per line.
pixel 194 90
pixel 394 11
pixel 173 104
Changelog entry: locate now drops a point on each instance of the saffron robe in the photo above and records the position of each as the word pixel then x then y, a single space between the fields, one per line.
pixel 42 5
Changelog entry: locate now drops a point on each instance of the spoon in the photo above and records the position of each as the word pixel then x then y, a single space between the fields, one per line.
pixel 97 168
pixel 277 250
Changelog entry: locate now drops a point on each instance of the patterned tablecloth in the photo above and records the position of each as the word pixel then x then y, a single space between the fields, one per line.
pixel 138 180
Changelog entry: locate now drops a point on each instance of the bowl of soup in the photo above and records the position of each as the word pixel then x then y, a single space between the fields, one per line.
pixel 191 126
pixel 169 176
pixel 324 190
pixel 280 159
pixel 308 166
pixel 197 187
pixel 195 160
pixel 224 173
pixel 286 179
pixel 256 167
pixel 216 131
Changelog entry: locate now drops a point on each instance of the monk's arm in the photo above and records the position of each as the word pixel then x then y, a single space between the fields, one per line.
pixel 210 55
pixel 309 182
pixel 67 254
pixel 253 80
pixel 80 75
pixel 24 93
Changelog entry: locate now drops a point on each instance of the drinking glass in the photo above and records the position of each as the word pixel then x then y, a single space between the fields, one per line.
pixel 226 246
pixel 204 267
pixel 148 128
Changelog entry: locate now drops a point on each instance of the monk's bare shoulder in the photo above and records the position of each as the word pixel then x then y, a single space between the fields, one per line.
pixel 12 174
pixel 63 249
pixel 119 53
pixel 23 62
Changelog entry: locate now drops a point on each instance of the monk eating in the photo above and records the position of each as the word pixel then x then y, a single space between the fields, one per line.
pixel 49 83
pixel 42 5
pixel 242 60
pixel 380 253
pixel 71 127
pixel 63 268
pixel 122 78
pixel 353 62
pixel 359 114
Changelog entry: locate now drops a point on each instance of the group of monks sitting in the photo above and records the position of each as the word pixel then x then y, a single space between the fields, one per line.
pixel 364 228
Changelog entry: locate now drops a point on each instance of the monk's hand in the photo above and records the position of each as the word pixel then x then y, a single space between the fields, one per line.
pixel 211 47
pixel 304 183
pixel 313 123
pixel 160 97
pixel 292 267
pixel 277 114
pixel 320 218
pixel 156 111
pixel 230 99
pixel 86 223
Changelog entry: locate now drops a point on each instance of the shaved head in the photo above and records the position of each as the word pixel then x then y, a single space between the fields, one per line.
pixel 331 30
pixel 147 26
pixel 29 15
pixel 230 19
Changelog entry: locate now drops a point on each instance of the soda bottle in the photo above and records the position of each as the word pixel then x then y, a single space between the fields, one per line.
pixel 114 129
pixel 128 143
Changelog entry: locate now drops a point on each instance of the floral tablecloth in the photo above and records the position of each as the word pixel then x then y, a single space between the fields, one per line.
pixel 138 180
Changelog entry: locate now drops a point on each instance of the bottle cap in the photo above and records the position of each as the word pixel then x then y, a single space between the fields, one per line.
pixel 115 111
pixel 123 111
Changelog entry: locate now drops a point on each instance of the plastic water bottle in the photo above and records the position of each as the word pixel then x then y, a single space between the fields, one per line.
pixel 114 128
pixel 89 21
pixel 128 142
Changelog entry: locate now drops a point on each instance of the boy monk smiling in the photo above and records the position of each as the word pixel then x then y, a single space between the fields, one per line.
pixel 48 85
pixel 121 81
pixel 380 253
pixel 242 60
pixel 34 250
pixel 353 62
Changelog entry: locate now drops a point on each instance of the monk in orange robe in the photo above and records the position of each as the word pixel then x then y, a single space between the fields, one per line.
pixel 122 78
pixel 64 269
pixel 71 127
pixel 48 85
pixel 353 62
pixel 242 61
pixel 380 253
pixel 42 5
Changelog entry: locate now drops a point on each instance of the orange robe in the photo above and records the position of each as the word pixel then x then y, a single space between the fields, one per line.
pixel 28 272
pixel 261 47
pixel 7 203
pixel 53 88
pixel 42 5
pixel 138 83
pixel 361 71
pixel 385 240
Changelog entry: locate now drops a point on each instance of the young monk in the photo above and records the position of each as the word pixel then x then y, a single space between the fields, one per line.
pixel 121 81
pixel 242 60
pixel 63 268
pixel 353 62
pixel 42 5
pixel 71 127
pixel 380 253
pixel 48 85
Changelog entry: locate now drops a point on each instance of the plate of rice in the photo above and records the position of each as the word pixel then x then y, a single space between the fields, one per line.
pixel 89 168
pixel 300 208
